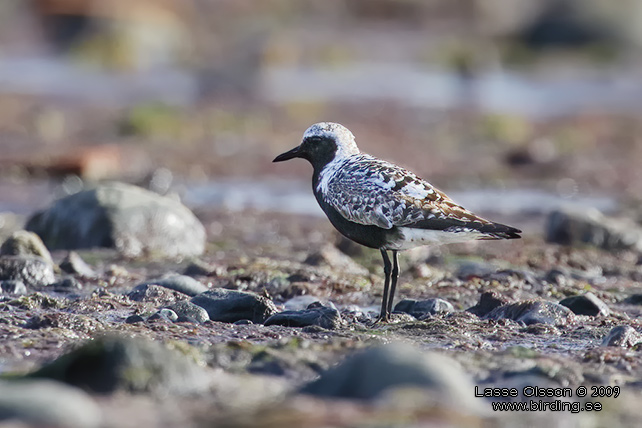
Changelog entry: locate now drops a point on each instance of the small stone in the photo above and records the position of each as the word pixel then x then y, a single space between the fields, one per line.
pixel 33 271
pixel 159 296
pixel 368 374
pixel 67 284
pixel 423 308
pixel 133 319
pixel 532 312
pixel 24 243
pixel 299 303
pixel 182 283
pixel 135 365
pixel 488 301
pixel 164 314
pixel 634 299
pixel 46 403
pixel 469 269
pixel 189 312
pixel 201 268
pixel 586 304
pixel 231 305
pixel 10 286
pixel 315 314
pixel 557 277
pixel 243 322
pixel 75 265
pixel 573 226
pixel 622 335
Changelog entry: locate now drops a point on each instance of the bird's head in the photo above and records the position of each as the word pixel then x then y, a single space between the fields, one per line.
pixel 322 143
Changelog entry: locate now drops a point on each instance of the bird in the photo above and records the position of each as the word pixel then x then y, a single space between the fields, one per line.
pixel 384 206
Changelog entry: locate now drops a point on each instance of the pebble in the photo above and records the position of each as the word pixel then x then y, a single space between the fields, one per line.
pixel 135 365
pixel 25 243
pixel 75 265
pixel 182 283
pixel 231 305
pixel 622 335
pixel 159 296
pixel 67 284
pixel 133 319
pixel 33 271
pixel 131 219
pixel 533 312
pixel 189 312
pixel 586 304
pixel 424 308
pixel 367 374
pixel 573 226
pixel 11 286
pixel 488 301
pixel 46 403
pixel 164 314
pixel 331 256
pixel 315 314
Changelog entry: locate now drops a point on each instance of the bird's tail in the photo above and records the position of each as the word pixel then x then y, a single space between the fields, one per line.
pixel 499 231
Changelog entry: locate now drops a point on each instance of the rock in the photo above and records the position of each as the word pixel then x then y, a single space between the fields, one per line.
pixel 10 286
pixel 622 335
pixel 231 305
pixel 532 312
pixel 189 312
pixel 133 220
pixel 423 308
pixel 164 314
pixel 33 271
pixel 557 277
pixel 330 255
pixel 67 284
pixel 47 403
pixel 368 374
pixel 579 226
pixel 75 265
pixel 24 243
pixel 299 303
pixel 159 296
pixel 488 301
pixel 109 364
pixel 470 269
pixel 315 314
pixel 182 283
pixel 586 304
pixel 634 299
pixel 201 268
pixel 133 319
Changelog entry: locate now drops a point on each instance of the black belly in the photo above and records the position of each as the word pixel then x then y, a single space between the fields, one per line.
pixel 368 235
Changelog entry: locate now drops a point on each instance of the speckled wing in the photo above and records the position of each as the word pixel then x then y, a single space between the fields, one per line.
pixel 370 191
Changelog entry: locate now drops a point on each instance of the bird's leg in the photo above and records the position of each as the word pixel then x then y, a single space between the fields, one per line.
pixel 394 277
pixel 387 269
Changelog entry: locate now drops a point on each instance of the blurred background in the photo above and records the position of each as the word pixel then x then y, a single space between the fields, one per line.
pixel 511 106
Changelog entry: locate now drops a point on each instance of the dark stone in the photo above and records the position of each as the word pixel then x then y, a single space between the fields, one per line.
pixel 468 270
pixel 67 284
pixel 622 335
pixel 75 265
pixel 11 286
pixel 575 226
pixel 634 299
pixel 532 312
pixel 423 308
pixel 367 374
pixel 164 314
pixel 45 403
pixel 109 364
pixel 243 322
pixel 231 305
pixel 315 314
pixel 182 283
pixel 33 271
pixel 488 301
pixel 201 268
pixel 133 319
pixel 189 312
pixel 586 304
pixel 133 220
pixel 24 243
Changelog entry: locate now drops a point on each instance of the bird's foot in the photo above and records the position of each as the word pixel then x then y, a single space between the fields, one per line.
pixel 381 319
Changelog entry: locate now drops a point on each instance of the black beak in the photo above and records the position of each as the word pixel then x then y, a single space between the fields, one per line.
pixel 294 153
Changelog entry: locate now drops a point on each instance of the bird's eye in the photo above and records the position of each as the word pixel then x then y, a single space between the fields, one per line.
pixel 314 139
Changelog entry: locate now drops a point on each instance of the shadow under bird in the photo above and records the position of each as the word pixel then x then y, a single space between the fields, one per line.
pixel 381 205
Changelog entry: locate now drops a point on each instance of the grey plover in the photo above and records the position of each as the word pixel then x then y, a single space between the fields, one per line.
pixel 381 205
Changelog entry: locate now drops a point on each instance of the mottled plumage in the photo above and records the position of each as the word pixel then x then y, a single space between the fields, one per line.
pixel 381 205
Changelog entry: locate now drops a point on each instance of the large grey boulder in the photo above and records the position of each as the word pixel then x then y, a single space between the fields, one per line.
pixel 133 220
